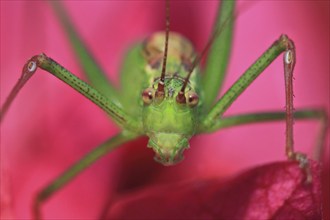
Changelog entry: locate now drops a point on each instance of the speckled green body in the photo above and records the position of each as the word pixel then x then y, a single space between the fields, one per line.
pixel 168 124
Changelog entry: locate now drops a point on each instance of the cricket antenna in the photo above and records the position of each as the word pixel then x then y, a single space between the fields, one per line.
pixel 181 97
pixel 160 93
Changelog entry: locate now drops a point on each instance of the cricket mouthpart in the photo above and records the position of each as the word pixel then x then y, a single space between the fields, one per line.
pixel 168 147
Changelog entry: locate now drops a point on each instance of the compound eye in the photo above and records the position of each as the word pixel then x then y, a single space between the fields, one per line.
pixel 148 95
pixel 192 99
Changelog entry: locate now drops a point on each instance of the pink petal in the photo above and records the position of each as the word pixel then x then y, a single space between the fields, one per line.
pixel 273 191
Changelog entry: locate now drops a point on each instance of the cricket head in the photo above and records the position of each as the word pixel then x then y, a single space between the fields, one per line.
pixel 168 123
pixel 171 103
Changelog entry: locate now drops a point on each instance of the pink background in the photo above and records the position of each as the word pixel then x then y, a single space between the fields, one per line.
pixel 50 126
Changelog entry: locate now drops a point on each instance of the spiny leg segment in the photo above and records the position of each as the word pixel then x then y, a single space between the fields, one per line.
pixel 289 60
pixel 283 44
pixel 51 66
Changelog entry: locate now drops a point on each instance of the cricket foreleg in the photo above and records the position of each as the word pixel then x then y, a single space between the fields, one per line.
pixel 278 47
pixel 283 44
pixel 73 171
pixel 51 66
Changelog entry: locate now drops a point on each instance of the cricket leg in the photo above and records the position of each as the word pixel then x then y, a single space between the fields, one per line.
pixel 73 171
pixel 262 117
pixel 283 44
pixel 92 70
pixel 51 66
pixel 218 55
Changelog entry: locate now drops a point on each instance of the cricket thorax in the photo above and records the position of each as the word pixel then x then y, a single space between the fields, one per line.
pixel 169 122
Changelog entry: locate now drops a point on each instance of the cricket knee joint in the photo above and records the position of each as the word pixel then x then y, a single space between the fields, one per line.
pixel 286 42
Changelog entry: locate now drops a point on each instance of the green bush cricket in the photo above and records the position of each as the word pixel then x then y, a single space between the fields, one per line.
pixel 167 156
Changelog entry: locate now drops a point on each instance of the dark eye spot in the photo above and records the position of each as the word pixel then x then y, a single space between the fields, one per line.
pixel 192 99
pixel 148 96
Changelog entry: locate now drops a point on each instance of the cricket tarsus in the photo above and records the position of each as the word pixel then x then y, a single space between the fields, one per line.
pixel 160 93
pixel 28 70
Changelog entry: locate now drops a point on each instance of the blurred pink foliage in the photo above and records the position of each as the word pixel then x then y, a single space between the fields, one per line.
pixel 49 126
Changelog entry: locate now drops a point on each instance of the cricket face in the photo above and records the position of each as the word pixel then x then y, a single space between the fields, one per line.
pixel 168 147
pixel 169 126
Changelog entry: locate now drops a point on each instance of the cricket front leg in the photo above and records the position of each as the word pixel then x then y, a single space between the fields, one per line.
pixel 74 170
pixel 46 63
pixel 283 44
